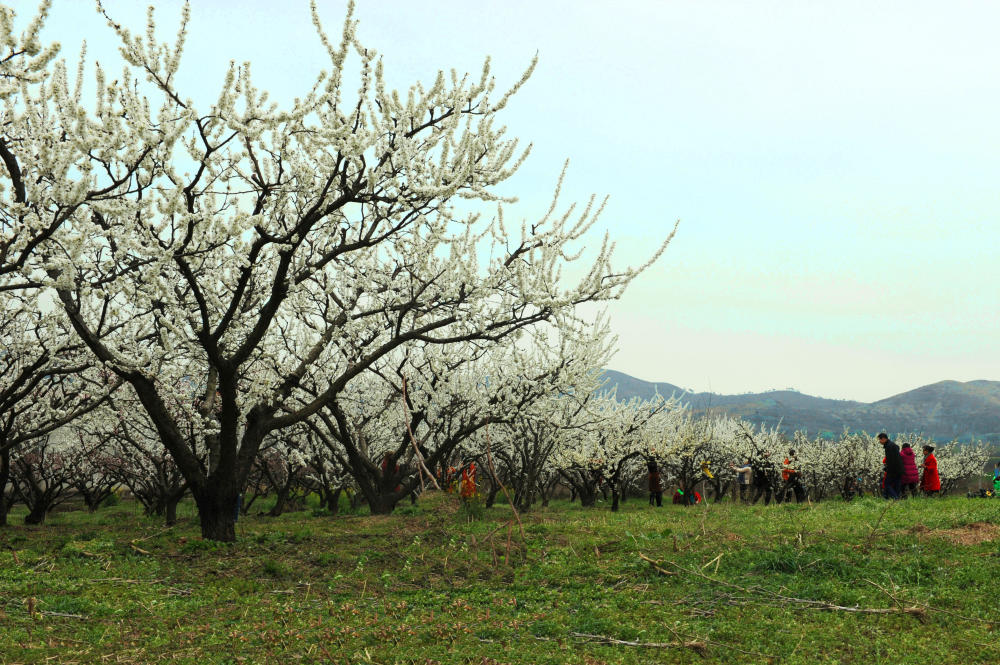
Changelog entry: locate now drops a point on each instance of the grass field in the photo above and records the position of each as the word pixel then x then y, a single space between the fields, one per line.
pixel 706 584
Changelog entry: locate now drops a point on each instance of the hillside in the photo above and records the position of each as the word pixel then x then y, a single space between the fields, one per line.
pixel 944 410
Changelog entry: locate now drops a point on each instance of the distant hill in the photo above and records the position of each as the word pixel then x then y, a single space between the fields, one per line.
pixel 944 410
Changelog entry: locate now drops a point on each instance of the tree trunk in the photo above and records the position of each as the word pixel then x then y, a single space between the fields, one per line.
pixel 37 514
pixel 94 499
pixel 171 509
pixel 526 498
pixel 614 500
pixel 527 494
pixel 491 498
pixel 382 504
pixel 279 503
pixel 217 507
pixel 333 500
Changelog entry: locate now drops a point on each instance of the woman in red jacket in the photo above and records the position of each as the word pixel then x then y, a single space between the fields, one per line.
pixel 931 482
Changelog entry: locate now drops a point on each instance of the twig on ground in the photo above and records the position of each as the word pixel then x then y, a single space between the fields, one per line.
pixel 724 645
pixel 868 543
pixel 124 580
pixel 66 615
pixel 154 534
pixel 717 560
pixel 797 644
pixel 960 616
pixel 886 592
pixel 138 549
pixel 699 647
pixel 655 565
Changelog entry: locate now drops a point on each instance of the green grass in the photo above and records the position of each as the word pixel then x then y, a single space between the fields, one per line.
pixel 429 586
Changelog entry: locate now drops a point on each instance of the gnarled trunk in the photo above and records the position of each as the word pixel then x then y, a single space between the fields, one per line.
pixel 36 515
pixel 588 496
pixel 217 511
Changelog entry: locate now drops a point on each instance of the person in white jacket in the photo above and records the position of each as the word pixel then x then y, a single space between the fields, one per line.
pixel 743 479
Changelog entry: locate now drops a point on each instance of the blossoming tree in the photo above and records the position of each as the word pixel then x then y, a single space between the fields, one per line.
pixel 255 248
pixel 46 378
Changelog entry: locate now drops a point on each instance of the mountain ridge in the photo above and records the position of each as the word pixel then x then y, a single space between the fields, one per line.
pixel 944 410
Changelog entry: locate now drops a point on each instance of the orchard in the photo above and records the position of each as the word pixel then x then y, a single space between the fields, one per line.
pixel 242 297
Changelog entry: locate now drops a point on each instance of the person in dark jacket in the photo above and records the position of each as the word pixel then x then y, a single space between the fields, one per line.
pixel 762 468
pixel 911 477
pixel 655 485
pixel 893 467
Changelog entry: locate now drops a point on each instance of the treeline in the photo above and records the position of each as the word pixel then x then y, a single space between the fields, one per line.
pixel 589 448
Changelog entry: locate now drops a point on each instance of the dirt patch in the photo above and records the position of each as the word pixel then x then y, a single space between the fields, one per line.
pixel 970 534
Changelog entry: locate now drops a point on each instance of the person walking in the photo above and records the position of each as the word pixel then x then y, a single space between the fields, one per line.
pixel 761 478
pixel 655 484
pixel 893 467
pixel 911 477
pixel 791 478
pixel 931 481
pixel 743 474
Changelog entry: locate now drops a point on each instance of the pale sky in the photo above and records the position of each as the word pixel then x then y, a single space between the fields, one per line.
pixel 835 165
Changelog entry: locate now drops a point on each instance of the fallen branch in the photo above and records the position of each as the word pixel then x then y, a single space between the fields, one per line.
pixel 886 592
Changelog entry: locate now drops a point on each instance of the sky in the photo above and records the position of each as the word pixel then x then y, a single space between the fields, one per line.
pixel 835 166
